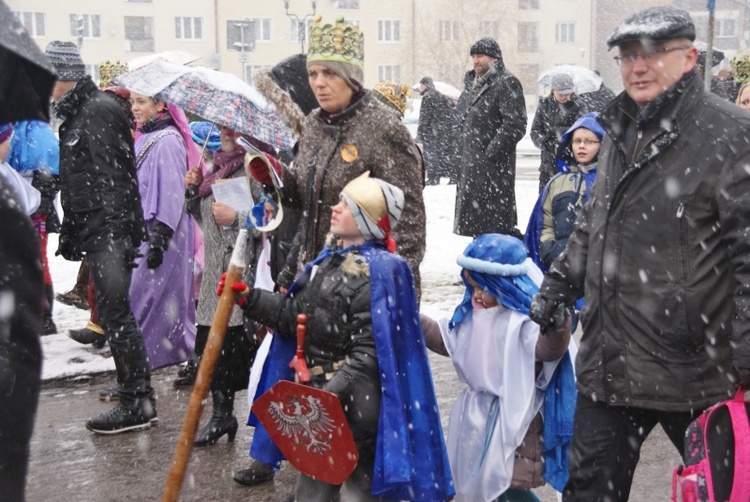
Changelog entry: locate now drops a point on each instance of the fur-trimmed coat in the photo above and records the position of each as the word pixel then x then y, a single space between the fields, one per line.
pixel 364 137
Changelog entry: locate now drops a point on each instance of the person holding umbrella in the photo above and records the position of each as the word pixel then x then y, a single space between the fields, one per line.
pixel 364 343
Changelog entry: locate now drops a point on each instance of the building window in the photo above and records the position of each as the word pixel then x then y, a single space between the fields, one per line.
pixel 528 37
pixel 565 32
pixel 33 22
pixel 346 4
pixel 239 33
pixel 86 25
pixel 725 28
pixel 527 74
pixel 528 4
pixel 188 28
pixel 489 28
pixel 389 30
pixel 449 31
pixel 139 32
pixel 262 29
pixel 389 72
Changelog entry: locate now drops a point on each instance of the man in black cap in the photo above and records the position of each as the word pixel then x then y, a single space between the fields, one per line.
pixel 662 251
pixel 492 118
pixel 103 220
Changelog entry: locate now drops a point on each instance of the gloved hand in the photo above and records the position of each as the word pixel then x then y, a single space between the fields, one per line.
pixel 158 242
pixel 242 289
pixel 259 168
pixel 67 249
pixel 544 311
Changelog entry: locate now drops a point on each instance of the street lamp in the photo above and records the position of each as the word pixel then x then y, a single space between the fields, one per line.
pixel 301 22
pixel 241 45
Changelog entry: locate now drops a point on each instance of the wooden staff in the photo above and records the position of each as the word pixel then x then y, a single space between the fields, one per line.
pixel 206 371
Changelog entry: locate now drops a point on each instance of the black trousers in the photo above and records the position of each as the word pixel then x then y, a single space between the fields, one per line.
pixel 606 447
pixel 237 355
pixel 111 273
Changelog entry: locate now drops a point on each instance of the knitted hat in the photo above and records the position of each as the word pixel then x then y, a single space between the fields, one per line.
pixel 109 71
pixel 394 95
pixel 66 58
pixel 655 24
pixel 339 47
pixel 6 131
pixel 203 131
pixel 376 206
pixel 487 46
pixel 562 83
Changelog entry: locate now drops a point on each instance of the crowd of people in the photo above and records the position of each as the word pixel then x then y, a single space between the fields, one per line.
pixel 640 231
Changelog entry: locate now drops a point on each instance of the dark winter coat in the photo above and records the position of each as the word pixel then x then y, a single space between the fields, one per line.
pixel 662 250
pixel 364 137
pixel 436 132
pixel 551 121
pixel 98 185
pixel 337 302
pixel 493 121
pixel 596 101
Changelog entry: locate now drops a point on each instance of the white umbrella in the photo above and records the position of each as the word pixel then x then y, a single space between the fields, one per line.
pixel 584 80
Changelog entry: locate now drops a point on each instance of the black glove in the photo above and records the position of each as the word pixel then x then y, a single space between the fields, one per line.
pixel 67 249
pixel 544 311
pixel 158 242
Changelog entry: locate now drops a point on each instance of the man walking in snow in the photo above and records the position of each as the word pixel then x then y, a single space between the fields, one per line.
pixel 104 220
pixel 492 116
pixel 662 252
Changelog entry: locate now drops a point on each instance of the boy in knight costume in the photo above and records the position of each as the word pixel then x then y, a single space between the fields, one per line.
pixel 364 343
pixel 513 373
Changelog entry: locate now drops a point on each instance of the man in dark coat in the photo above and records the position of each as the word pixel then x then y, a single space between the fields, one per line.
pixel 595 101
pixel 103 219
pixel 436 132
pixel 662 251
pixel 492 115
pixel 554 115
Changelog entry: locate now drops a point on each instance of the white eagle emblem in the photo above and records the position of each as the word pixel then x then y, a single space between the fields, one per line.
pixel 315 424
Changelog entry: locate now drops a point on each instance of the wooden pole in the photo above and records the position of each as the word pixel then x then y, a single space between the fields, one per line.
pixel 205 372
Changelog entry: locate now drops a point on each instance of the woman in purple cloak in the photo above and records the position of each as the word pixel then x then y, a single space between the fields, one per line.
pixel 161 292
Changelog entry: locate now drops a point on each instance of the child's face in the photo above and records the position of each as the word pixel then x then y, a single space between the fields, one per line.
pixel 585 145
pixel 342 222
pixel 480 296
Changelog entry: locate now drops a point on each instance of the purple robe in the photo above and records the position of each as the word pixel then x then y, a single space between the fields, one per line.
pixel 162 299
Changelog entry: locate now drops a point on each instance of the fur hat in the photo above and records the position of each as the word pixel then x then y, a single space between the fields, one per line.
pixel 563 83
pixel 6 131
pixel 487 46
pixel 339 47
pixel 655 24
pixel 376 206
pixel 66 58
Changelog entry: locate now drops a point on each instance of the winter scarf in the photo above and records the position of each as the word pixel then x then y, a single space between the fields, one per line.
pixel 225 165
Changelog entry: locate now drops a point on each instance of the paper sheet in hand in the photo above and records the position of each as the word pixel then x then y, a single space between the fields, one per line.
pixel 234 192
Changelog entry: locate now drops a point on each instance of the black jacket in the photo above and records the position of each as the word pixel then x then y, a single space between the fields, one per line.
pixel 99 189
pixel 493 121
pixel 662 251
pixel 551 121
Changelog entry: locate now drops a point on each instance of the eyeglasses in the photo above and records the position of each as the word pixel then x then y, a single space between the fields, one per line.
pixel 648 56
pixel 587 142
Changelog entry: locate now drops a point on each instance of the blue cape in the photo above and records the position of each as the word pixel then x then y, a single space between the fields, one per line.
pixel 411 462
pixel 559 410
pixel 34 146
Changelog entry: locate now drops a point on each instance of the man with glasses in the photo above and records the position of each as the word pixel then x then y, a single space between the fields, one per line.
pixel 662 251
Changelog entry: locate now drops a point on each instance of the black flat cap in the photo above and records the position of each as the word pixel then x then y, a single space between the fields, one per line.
pixel 655 24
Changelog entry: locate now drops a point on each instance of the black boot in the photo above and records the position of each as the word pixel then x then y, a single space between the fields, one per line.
pixel 222 420
pixel 88 336
pixel 48 325
pixel 186 376
pixel 257 473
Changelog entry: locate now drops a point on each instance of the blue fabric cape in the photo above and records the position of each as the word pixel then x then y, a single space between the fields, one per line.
pixel 559 410
pixel 411 461
pixel 34 146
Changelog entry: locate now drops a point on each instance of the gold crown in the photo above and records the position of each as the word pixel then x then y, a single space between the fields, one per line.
pixel 109 71
pixel 396 95
pixel 336 42
pixel 741 67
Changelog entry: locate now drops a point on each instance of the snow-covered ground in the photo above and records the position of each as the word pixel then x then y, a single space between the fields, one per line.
pixel 65 358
